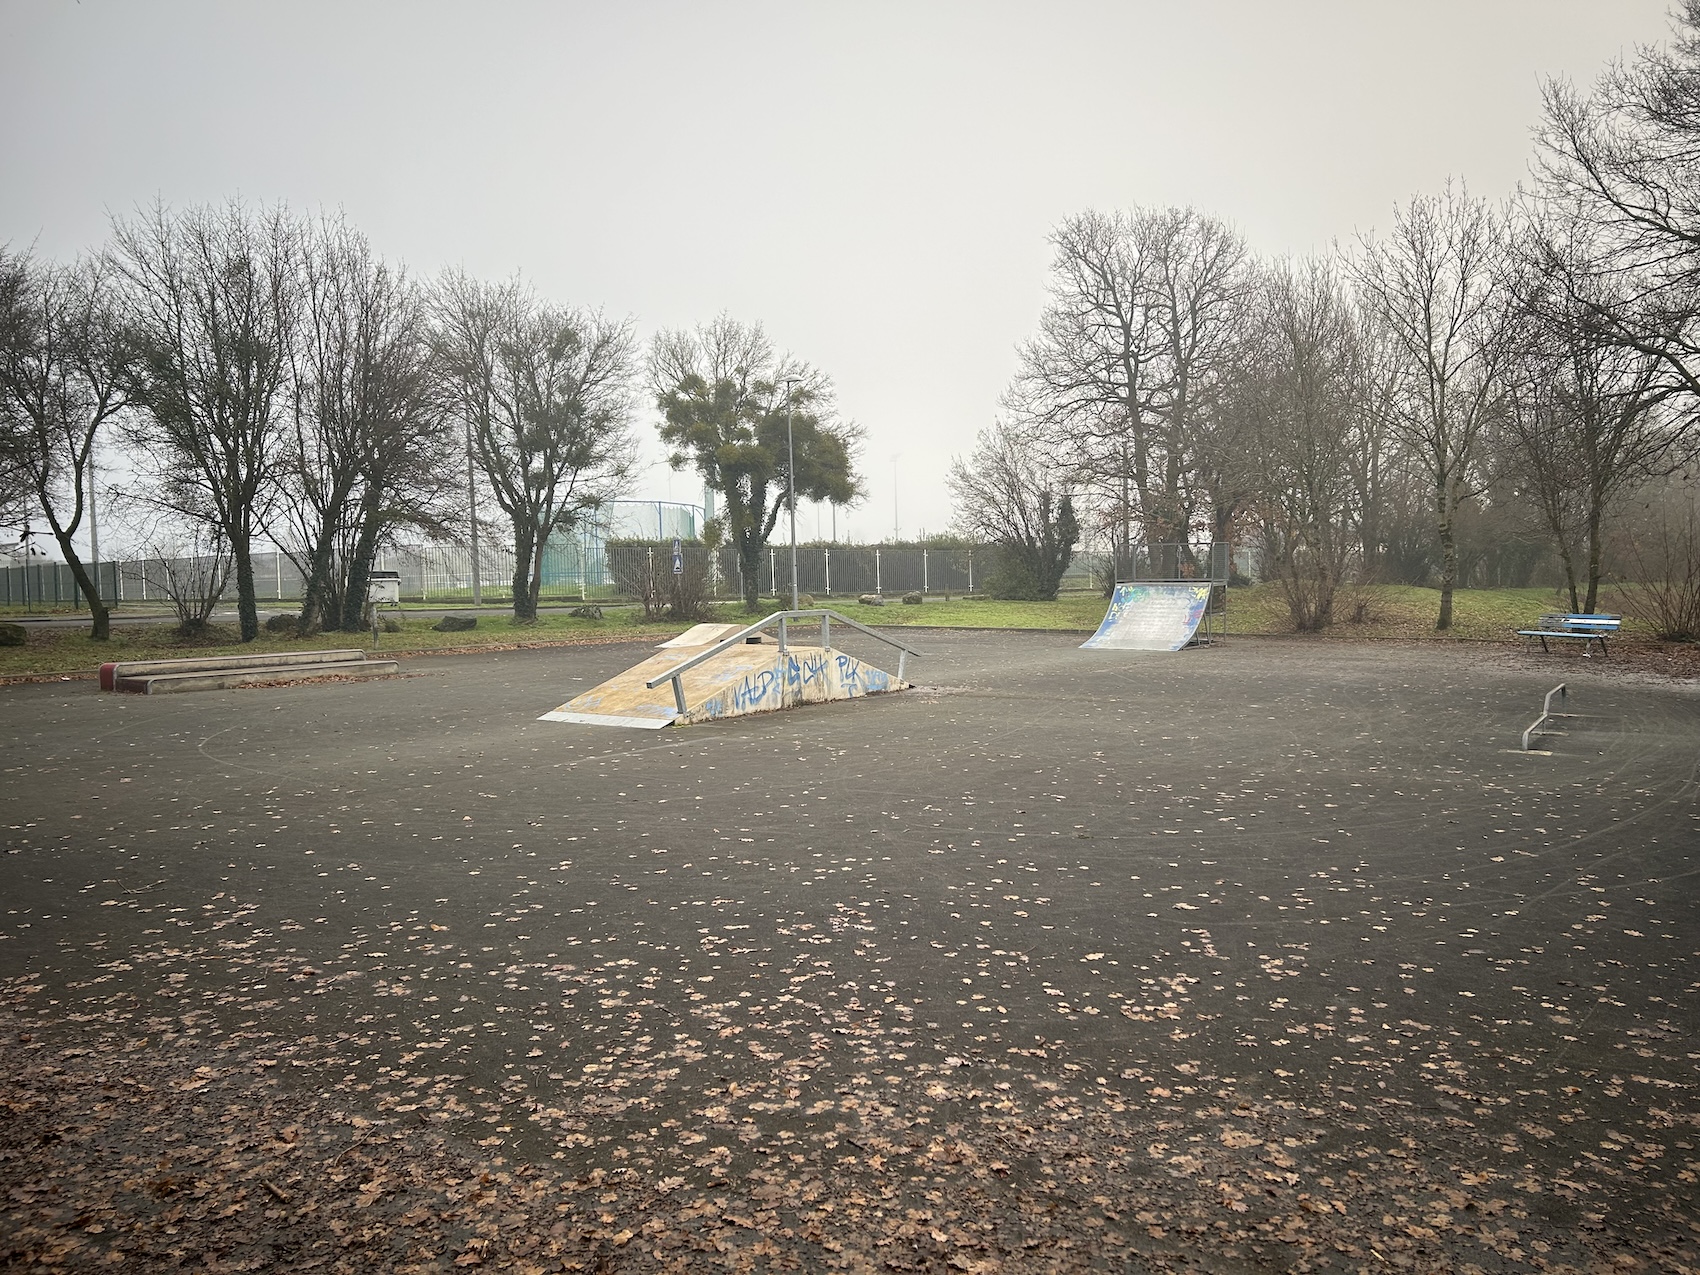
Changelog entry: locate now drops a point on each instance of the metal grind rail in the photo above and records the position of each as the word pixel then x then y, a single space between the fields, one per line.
pixel 783 619
pixel 1546 713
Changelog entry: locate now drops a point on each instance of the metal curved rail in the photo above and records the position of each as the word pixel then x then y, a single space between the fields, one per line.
pixel 1546 714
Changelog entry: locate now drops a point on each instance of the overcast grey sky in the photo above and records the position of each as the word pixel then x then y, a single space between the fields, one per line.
pixel 873 182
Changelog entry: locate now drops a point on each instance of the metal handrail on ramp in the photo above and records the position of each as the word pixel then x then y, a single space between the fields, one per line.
pixel 782 618
pixel 1546 713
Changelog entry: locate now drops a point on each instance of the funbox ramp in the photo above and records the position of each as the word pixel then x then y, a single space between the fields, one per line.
pixel 747 678
pixel 1151 617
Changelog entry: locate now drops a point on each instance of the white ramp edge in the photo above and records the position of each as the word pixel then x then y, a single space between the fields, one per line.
pixel 604 719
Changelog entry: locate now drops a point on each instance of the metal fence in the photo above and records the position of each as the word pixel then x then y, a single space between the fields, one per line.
pixel 573 569
pixel 824 571
pixel 582 567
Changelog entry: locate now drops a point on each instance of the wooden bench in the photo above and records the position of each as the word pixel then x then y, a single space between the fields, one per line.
pixel 1576 627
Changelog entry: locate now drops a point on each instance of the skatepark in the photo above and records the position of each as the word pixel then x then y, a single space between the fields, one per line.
pixel 1264 955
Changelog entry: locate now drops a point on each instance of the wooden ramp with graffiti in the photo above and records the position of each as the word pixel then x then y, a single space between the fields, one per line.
pixel 719 670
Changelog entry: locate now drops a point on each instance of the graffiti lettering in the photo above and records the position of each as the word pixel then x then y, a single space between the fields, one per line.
pixel 805 670
pixel 754 691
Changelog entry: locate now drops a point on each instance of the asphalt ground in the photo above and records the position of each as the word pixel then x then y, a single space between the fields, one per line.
pixel 1276 955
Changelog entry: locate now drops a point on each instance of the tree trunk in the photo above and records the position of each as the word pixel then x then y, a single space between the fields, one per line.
pixel 360 569
pixel 1322 548
pixel 315 592
pixel 537 572
pixel 1448 573
pixel 525 599
pixel 318 592
pixel 1221 519
pixel 1594 518
pixel 1444 506
pixel 1122 569
pixel 749 562
pixel 90 589
pixel 102 616
pixel 1568 560
pixel 247 603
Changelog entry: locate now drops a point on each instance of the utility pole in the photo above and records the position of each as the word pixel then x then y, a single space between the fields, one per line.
pixel 94 522
pixel 791 483
pixel 472 509
pixel 895 525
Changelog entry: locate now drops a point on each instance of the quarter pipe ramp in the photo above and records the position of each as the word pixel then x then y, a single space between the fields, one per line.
pixel 1151 617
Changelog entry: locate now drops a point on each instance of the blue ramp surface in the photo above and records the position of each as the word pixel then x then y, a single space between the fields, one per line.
pixel 1150 617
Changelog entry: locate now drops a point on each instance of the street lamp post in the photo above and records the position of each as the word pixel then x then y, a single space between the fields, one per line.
pixel 94 520
pixel 472 514
pixel 791 484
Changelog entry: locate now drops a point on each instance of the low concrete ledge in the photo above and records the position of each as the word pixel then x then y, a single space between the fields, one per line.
pixel 220 672
pixel 111 673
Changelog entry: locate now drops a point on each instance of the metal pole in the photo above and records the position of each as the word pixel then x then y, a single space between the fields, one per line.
pixel 94 522
pixel 896 531
pixel 791 482
pixel 472 509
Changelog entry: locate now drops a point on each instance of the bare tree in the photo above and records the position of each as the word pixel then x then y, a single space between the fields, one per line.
pixel 17 505
pixel 737 411
pixel 1009 493
pixel 1090 379
pixel 1206 287
pixel 1661 540
pixel 1625 161
pixel 1380 470
pixel 1434 285
pixel 1143 320
pixel 546 392
pixel 368 435
pixel 62 367
pixel 1586 414
pixel 212 303
pixel 1299 397
pixel 188 560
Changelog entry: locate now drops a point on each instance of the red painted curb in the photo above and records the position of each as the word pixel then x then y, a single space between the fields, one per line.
pixel 106 676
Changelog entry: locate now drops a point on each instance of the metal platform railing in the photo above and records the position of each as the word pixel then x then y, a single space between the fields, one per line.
pixel 783 619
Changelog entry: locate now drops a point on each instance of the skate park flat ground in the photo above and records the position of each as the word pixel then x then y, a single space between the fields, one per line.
pixel 1272 955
